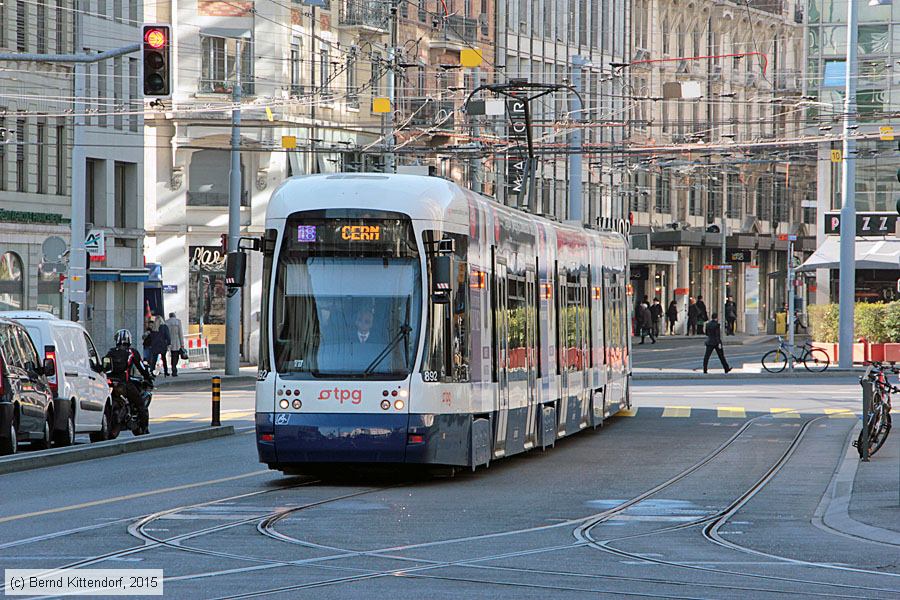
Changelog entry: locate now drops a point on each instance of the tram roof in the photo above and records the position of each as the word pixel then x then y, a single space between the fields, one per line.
pixel 418 196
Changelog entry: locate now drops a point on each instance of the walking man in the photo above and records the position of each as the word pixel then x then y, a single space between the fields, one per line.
pixel 692 317
pixel 176 343
pixel 645 322
pixel 714 342
pixel 730 315
pixel 702 315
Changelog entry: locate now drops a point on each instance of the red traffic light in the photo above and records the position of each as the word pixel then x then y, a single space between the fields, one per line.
pixel 155 38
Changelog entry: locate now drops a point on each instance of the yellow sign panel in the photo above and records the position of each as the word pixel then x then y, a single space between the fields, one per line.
pixel 470 57
pixel 381 105
pixel 361 233
pixel 289 142
pixel 836 156
pixel 269 114
pixel 887 133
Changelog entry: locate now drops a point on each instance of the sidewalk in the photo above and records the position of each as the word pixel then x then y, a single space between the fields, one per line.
pixel 194 376
pixel 739 339
pixel 875 499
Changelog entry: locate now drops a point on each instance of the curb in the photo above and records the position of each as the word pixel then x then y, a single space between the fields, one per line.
pixel 55 457
pixel 663 376
pixel 833 513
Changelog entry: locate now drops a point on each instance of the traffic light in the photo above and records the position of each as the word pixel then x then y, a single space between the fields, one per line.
pixel 157 60
pixel 74 312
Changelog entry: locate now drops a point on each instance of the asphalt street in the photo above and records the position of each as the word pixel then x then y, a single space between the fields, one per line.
pixel 685 497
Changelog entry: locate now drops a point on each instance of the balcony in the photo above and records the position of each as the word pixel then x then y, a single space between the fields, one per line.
pixel 214 198
pixel 372 14
pixel 458 33
pixel 431 113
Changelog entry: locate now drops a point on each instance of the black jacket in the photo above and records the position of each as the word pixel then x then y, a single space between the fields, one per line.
pixel 672 312
pixel 693 312
pixel 702 315
pixel 656 311
pixel 730 310
pixel 713 333
pixel 124 362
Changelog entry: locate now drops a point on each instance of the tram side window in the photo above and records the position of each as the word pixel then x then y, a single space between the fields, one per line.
pixel 447 340
pixel 268 255
pixel 516 316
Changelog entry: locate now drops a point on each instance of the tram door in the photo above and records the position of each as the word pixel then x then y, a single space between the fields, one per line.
pixel 531 325
pixel 501 355
pixel 584 324
pixel 574 329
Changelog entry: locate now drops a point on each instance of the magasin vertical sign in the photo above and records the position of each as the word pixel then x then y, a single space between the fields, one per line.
pixel 516 163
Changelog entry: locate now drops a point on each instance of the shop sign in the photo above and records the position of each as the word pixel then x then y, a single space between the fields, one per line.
pixel 739 256
pixel 640 272
pixel 867 224
pixel 207 258
pixel 20 216
pixel 95 245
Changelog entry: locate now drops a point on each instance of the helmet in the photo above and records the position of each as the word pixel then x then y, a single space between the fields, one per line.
pixel 123 337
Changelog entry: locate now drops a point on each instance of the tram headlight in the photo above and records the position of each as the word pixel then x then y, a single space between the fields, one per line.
pixel 297 404
pixel 284 404
pixel 385 404
pixel 399 404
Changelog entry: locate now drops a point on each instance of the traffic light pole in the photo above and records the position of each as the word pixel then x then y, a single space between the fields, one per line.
pixel 233 302
pixel 77 272
pixel 847 270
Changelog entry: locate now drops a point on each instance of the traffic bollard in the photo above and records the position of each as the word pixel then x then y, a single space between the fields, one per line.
pixel 216 401
pixel 867 408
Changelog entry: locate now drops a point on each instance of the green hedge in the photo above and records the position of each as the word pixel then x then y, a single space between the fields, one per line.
pixel 878 323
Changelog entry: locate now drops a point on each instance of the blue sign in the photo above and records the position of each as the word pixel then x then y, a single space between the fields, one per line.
pixel 306 233
pixel 170 289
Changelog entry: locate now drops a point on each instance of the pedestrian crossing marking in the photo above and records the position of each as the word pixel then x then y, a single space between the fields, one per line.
pixel 627 412
pixel 840 413
pixel 677 411
pixel 174 417
pixel 731 412
pixel 785 413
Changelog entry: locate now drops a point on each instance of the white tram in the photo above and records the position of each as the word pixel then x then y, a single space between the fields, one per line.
pixel 407 320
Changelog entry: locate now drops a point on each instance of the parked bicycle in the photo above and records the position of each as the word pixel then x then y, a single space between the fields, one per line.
pixel 877 422
pixel 814 359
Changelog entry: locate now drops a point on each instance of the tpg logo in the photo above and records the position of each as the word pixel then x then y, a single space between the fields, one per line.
pixel 353 396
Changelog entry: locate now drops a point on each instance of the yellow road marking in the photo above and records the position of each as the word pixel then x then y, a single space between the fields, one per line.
pixel 174 417
pixel 840 413
pixel 627 412
pixel 234 414
pixel 785 413
pixel 731 412
pixel 677 411
pixel 176 488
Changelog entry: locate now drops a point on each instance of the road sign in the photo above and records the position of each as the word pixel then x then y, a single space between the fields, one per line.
pixel 289 142
pixel 717 267
pixel 836 156
pixel 808 204
pixel 887 133
pixel 788 237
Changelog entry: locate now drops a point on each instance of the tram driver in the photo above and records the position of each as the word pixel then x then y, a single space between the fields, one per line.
pixel 364 347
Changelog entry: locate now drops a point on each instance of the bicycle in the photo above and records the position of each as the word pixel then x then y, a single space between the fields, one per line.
pixel 814 359
pixel 878 420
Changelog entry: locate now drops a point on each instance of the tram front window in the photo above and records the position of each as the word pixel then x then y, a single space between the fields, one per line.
pixel 346 317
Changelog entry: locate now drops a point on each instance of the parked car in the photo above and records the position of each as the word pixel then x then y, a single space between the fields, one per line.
pixel 81 394
pixel 26 401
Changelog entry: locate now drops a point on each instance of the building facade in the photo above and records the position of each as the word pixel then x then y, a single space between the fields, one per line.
pixel 40 148
pixel 715 142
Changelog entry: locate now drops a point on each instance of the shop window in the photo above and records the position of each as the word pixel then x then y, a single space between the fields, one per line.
pixel 12 296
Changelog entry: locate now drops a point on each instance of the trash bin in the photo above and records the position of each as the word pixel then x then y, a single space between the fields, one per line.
pixel 780 323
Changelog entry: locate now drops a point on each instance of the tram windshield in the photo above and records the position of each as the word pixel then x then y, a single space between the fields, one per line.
pixel 347 305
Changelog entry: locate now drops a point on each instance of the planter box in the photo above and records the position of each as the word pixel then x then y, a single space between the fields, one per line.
pixel 876 352
pixel 892 353
pixel 830 349
pixel 860 351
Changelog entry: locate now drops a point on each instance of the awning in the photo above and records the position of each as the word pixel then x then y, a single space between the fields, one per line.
pixel 870 254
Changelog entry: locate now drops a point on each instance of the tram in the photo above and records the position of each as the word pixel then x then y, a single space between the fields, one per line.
pixel 405 319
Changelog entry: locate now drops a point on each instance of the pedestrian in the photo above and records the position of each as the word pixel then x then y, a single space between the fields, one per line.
pixel 645 322
pixel 692 317
pixel 159 344
pixel 702 315
pixel 656 312
pixel 176 345
pixel 730 315
pixel 714 342
pixel 147 338
pixel 672 316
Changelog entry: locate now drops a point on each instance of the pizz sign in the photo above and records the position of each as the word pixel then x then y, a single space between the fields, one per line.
pixel 867 224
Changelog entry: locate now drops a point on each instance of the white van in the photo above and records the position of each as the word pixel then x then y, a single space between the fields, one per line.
pixel 80 389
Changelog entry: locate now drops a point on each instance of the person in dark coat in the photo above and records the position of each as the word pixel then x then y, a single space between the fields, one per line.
pixel 730 315
pixel 656 312
pixel 645 322
pixel 702 315
pixel 672 316
pixel 160 340
pixel 714 342
pixel 692 317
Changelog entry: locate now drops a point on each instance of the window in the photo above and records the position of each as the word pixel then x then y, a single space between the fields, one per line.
pixel 695 207
pixel 664 32
pixel 295 67
pixel 11 282
pixel 90 192
pixel 447 335
pixel 208 179
pixel 352 90
pixel 218 64
pixel 134 101
pixel 735 196
pixel 764 198
pixel 41 27
pixel 324 72
pixel 21 172
pixel 101 8
pixel 61 160
pixel 663 194
pixel 21 26
pixel 49 297
pixel 116 107
pixel 60 28
pixel 121 196
pixel 4 137
pixel 102 94
pixel 117 10
pixel 41 158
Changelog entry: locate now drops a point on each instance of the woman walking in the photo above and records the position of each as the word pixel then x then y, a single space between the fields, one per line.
pixel 672 316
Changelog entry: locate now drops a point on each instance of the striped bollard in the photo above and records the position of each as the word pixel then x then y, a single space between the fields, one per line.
pixel 216 401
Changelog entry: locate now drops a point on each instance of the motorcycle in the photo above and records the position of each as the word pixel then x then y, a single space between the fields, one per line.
pixel 122 415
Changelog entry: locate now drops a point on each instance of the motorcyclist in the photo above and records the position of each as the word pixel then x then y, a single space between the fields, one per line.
pixel 125 360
